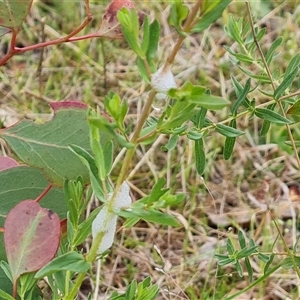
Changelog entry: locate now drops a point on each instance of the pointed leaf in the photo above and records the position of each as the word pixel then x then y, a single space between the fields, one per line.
pixel 271 116
pixel 211 15
pixel 31 237
pixel 286 83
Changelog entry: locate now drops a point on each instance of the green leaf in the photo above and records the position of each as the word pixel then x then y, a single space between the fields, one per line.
pixel 268 264
pixel 150 215
pixel 209 16
pixel 179 12
pixel 286 83
pixel 230 247
pixel 200 118
pixel 116 108
pixel 270 54
pixel 194 135
pixel 242 240
pixel 200 157
pixel 71 261
pixel 234 29
pixel 146 34
pixel 208 101
pixel 84 228
pixel 266 124
pixel 130 28
pixel 263 257
pixel 239 268
pixel 142 69
pixel 249 268
pixel 228 131
pixel 271 116
pixel 172 142
pixel 153 44
pixel 46 146
pixel 180 113
pixel 13 12
pixel 293 64
pixel 242 96
pixel 5 296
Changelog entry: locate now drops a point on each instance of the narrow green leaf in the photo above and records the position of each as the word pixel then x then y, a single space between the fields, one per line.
pixel 150 215
pixel 228 147
pixel 286 83
pixel 294 63
pixel 200 157
pixel 210 16
pixel 146 35
pixel 71 261
pixel 142 70
pixel 242 240
pixel 230 247
pixel 239 268
pixel 271 116
pixel 249 269
pixel 130 29
pixel 266 124
pixel 254 283
pixel 228 131
pixel 242 94
pixel 268 264
pixel 208 101
pixel 178 14
pixel 84 228
pixel 154 39
pixel 270 54
pixel 200 118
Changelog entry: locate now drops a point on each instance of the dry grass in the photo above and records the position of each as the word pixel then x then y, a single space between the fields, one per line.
pixel 232 195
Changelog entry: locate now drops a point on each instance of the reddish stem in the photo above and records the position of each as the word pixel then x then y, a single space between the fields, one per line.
pixel 68 38
pixel 40 197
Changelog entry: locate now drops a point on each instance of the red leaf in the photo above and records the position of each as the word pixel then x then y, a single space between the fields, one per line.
pixel 110 26
pixel 31 237
pixel 7 163
pixel 67 104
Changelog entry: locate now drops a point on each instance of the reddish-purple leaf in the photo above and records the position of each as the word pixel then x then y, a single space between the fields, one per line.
pixel 110 26
pixel 67 104
pixel 7 163
pixel 31 237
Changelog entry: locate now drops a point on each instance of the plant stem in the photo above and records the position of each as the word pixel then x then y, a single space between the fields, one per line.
pixel 272 82
pixel 90 257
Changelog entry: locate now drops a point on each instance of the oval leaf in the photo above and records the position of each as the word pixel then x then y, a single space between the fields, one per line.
pixel 31 237
pixel 46 146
